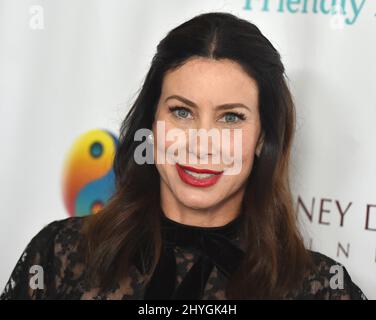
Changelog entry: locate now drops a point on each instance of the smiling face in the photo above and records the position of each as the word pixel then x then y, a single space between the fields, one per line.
pixel 207 94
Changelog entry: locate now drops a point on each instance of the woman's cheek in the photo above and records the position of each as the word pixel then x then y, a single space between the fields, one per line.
pixel 248 153
pixel 161 144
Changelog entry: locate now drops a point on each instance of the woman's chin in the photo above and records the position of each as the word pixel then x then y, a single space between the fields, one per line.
pixel 196 200
pixel 198 206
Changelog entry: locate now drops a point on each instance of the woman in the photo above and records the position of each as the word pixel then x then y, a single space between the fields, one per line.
pixel 190 229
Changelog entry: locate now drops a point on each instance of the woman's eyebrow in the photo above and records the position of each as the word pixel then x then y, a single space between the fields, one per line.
pixel 225 106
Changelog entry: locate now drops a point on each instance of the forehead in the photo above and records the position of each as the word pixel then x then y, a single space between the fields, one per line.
pixel 211 81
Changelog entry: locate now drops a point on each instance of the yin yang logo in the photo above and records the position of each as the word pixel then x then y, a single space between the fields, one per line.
pixel 88 177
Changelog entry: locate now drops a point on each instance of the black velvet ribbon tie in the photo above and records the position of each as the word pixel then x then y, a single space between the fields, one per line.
pixel 215 247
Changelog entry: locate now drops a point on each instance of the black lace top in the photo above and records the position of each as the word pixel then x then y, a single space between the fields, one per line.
pixel 191 267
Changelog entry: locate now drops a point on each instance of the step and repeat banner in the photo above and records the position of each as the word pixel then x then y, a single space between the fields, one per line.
pixel 70 70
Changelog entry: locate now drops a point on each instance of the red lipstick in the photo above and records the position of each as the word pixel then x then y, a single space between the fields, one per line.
pixel 195 180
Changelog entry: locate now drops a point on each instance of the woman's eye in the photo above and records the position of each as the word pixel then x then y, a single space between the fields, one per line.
pixel 232 117
pixel 181 112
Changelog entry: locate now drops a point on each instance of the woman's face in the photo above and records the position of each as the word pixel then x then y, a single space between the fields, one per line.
pixel 208 95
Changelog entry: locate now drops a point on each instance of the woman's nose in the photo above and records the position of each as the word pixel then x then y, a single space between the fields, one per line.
pixel 204 139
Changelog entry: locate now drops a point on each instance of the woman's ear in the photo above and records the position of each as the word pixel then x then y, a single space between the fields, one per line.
pixel 259 145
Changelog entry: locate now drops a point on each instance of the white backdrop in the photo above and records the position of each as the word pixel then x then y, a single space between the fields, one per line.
pixel 67 67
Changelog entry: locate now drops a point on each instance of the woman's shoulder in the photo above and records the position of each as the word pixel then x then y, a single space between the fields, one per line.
pixel 54 250
pixel 68 228
pixel 61 235
pixel 329 279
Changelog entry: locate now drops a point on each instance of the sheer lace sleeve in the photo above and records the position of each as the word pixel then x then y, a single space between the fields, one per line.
pixel 330 281
pixel 48 264
pixel 30 278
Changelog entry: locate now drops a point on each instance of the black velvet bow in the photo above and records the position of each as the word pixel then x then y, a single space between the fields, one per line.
pixel 216 248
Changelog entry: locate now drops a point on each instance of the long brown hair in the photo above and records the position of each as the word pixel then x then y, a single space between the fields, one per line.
pixel 128 226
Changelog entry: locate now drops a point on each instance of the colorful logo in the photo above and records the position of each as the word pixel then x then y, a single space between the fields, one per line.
pixel 88 177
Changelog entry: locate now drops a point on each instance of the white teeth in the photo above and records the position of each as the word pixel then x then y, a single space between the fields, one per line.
pixel 199 175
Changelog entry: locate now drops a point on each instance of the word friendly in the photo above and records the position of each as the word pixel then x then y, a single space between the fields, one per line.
pixel 349 9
